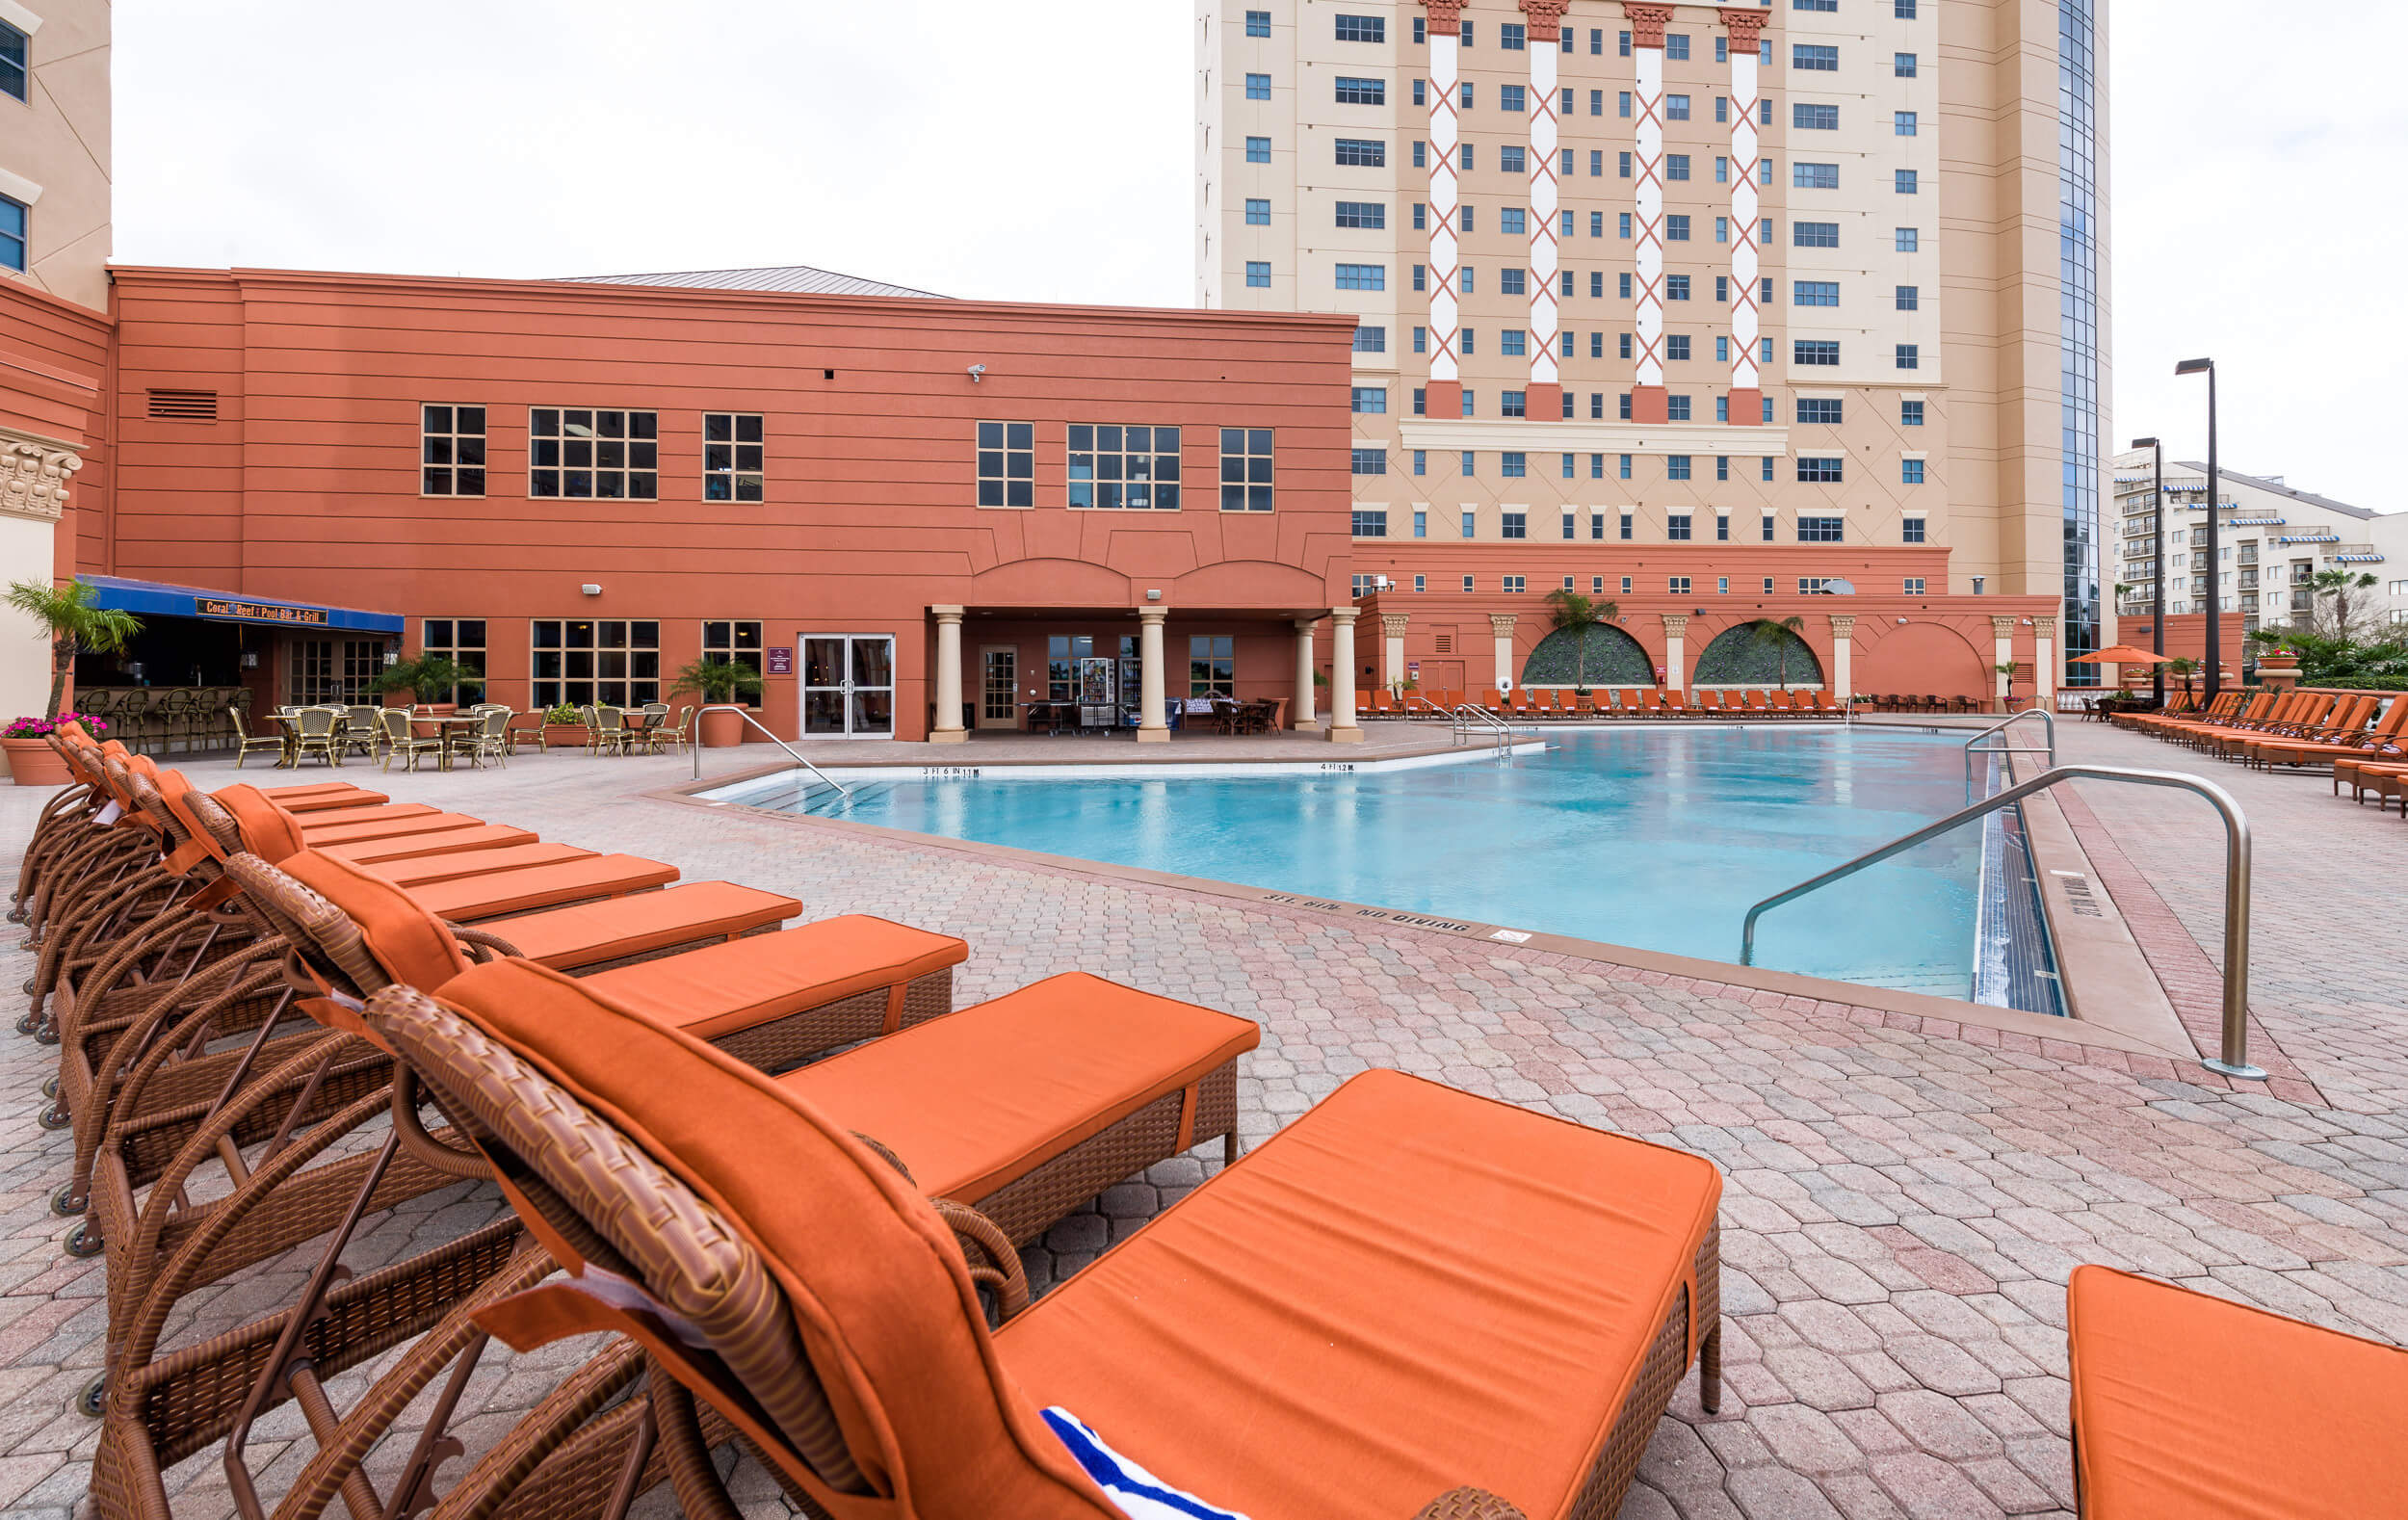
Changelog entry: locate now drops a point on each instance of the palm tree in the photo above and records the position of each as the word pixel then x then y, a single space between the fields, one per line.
pixel 1777 635
pixel 2339 586
pixel 73 624
pixel 1575 615
pixel 2184 667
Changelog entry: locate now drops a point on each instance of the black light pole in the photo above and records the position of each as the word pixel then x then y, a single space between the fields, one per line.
pixel 2216 479
pixel 2157 594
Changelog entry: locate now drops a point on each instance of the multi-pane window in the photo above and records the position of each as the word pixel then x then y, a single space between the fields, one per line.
pixel 1818 408
pixel 733 642
pixel 457 638
pixel 1516 463
pixel 1676 345
pixel 1902 65
pixel 1371 340
pixel 1258 23
pixel 1902 9
pixel 587 452
pixel 1904 182
pixel 1814 351
pixel 1910 356
pixel 1006 463
pixel 12 61
pixel 1814 58
pixel 1115 466
pixel 1354 91
pixel 1676 585
pixel 1910 414
pixel 1513 525
pixel 1676 287
pixel 1257 213
pixel 1212 665
pixel 1509 99
pixel 1806 117
pixel 1819 530
pixel 614 662
pixel 1814 234
pixel 1362 152
pixel 13 217
pixel 333 670
pixel 1911 472
pixel 1912 585
pixel 1370 522
pixel 1903 123
pixel 1512 35
pixel 1245 469
pixel 1258 274
pixel 731 456
pixel 1676 527
pixel 1814 292
pixel 1676 229
pixel 1814 176
pixel 451 451
pixel 1676 45
pixel 1819 469
pixel 1911 530
pixel 1258 150
pixel 1258 87
pixel 1909 239
pixel 1362 29
pixel 1062 654
pixel 1910 298
pixel 1371 214
pixel 1371 459
pixel 1362 276
pixel 1370 399
pixel 1676 108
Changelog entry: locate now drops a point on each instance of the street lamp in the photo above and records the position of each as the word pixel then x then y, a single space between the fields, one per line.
pixel 2157 594
pixel 2215 480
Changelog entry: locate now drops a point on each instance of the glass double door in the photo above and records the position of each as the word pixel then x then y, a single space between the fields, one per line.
pixel 849 685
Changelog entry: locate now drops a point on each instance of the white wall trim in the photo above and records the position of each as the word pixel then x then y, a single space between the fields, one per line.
pixel 16 15
pixel 17 187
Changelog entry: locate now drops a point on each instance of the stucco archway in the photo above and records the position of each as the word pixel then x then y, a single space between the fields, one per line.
pixel 1604 656
pixel 1740 657
pixel 1928 659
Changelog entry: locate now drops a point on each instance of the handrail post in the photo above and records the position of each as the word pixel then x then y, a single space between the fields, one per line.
pixel 2233 1057
pixel 842 790
pixel 1975 744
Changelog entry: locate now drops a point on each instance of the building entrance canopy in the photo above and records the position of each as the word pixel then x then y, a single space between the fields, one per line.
pixel 157 600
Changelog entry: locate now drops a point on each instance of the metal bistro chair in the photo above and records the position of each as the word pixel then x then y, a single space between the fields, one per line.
pixel 245 743
pixel 591 716
pixel 490 740
pixel 523 729
pixel 316 735
pixel 609 731
pixel 359 729
pixel 673 737
pixel 400 739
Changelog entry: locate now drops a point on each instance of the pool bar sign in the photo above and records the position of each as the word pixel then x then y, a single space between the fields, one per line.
pixel 260 612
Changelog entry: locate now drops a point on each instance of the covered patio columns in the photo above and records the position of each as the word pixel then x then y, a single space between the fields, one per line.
pixel 1675 651
pixel 1392 649
pixel 947 729
pixel 1153 719
pixel 1302 708
pixel 1342 674
pixel 1501 627
pixel 2044 660
pixel 1842 651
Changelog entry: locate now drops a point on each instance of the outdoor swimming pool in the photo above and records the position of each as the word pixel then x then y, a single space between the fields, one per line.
pixel 1654 839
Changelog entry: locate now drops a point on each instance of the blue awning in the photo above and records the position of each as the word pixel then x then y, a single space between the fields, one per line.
pixel 155 599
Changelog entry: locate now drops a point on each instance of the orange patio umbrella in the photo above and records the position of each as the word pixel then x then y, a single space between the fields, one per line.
pixel 2120 654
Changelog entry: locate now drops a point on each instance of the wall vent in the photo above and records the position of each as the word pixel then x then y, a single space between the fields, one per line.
pixel 1446 644
pixel 184 406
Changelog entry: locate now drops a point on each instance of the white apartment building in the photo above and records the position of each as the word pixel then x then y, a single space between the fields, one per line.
pixel 2272 541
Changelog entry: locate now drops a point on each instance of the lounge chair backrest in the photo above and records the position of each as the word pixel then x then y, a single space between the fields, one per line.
pixel 403 941
pixel 267 831
pixel 801 1266
pixel 203 817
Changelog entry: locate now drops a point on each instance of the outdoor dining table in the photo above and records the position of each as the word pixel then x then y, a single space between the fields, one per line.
pixel 442 724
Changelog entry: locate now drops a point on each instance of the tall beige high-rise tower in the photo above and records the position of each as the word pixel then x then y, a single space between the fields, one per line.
pixel 1832 270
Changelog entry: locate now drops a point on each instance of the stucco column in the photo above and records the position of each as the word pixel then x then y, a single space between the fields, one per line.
pixel 1544 397
pixel 1342 727
pixel 948 729
pixel 2044 659
pixel 1300 710
pixel 2001 651
pixel 33 476
pixel 1843 650
pixel 1500 624
pixel 1647 20
pixel 1392 651
pixel 1675 654
pixel 1444 397
pixel 1153 724
pixel 1745 28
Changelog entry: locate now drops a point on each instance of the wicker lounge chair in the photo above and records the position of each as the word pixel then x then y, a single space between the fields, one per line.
pixel 2190 1405
pixel 2347 734
pixel 1377 1375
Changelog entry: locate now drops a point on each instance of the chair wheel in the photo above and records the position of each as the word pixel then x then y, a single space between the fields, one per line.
pixel 93 1402
pixel 50 1088
pixel 29 990
pixel 27 1023
pixel 55 1117
pixel 67 1203
pixel 83 1240
pixel 47 1035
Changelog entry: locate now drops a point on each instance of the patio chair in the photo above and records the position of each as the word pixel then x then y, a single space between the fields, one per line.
pixel 359 729
pixel 2185 1404
pixel 245 743
pixel 671 736
pixel 1346 1340
pixel 524 730
pixel 609 731
pixel 314 734
pixel 488 740
pixel 402 739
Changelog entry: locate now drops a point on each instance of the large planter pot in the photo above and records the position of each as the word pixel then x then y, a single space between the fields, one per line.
pixel 564 736
pixel 32 762
pixel 721 729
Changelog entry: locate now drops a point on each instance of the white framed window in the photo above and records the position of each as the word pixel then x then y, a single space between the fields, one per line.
pixel 614 662
pixel 1114 465
pixel 598 453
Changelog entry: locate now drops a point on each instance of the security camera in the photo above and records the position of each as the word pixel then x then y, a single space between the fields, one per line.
pixel 978 371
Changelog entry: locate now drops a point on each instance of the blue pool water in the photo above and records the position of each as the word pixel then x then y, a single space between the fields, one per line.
pixel 1656 839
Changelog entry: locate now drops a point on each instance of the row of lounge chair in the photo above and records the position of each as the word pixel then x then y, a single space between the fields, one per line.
pixel 2360 738
pixel 1549 705
pixel 786 1181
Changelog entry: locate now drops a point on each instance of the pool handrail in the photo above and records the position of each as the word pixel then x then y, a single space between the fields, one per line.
pixel 2232 1060
pixel 1974 744
pixel 842 790
pixel 1469 716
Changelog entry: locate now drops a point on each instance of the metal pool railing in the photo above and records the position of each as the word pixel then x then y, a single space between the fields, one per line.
pixel 841 788
pixel 1472 720
pixel 1975 746
pixel 2232 1060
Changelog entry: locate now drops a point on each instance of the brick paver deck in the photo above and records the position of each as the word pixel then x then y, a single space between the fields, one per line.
pixel 1904 1199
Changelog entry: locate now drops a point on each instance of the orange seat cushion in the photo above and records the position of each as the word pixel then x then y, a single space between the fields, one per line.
pixel 1407 1289
pixel 412 847
pixel 986 1094
pixel 269 831
pixel 424 870
pixel 352 832
pixel 323 791
pixel 744 983
pixel 535 887
pixel 348 810
pixel 406 940
pixel 590 933
pixel 2186 1404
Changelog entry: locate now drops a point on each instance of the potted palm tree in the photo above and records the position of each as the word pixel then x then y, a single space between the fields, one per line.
pixel 1575 615
pixel 72 624
pixel 719 682
pixel 2006 684
pixel 427 676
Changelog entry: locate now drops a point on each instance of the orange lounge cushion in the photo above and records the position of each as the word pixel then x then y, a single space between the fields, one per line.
pixel 287 795
pixel 406 940
pixel 269 831
pixel 2186 1404
pixel 746 982
pixel 412 847
pixel 645 922
pixel 986 1094
pixel 536 887
pixel 425 870
pixel 1406 1291
pixel 354 831
pixel 350 810
pixel 351 800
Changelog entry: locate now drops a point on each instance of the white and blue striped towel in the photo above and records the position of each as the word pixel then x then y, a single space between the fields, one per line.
pixel 1139 1494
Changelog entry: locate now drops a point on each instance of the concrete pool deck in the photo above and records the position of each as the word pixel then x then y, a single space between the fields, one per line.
pixel 1905 1197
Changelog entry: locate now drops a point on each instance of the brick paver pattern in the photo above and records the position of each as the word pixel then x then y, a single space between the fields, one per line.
pixel 1905 1197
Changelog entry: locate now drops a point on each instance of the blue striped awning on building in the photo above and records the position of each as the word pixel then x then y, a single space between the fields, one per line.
pixel 2359 558
pixel 156 599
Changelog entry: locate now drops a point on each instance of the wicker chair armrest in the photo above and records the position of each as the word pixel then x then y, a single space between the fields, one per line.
pixel 483 946
pixel 1470 1504
pixel 994 1261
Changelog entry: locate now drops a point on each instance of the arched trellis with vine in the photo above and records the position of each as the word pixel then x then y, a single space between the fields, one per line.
pixel 1612 658
pixel 1745 656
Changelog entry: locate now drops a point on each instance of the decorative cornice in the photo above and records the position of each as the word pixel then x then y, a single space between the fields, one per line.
pixel 2044 627
pixel 1344 616
pixel 1647 21
pixel 1744 25
pixel 33 476
pixel 1675 624
pixel 1500 624
pixel 1445 18
pixel 1546 18
pixel 1395 623
pixel 1843 629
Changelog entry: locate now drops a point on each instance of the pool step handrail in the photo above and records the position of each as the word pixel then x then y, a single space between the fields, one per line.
pixel 842 790
pixel 1974 744
pixel 2233 1058
pixel 1470 718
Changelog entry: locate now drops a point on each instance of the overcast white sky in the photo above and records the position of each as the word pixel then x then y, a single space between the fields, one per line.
pixel 976 148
